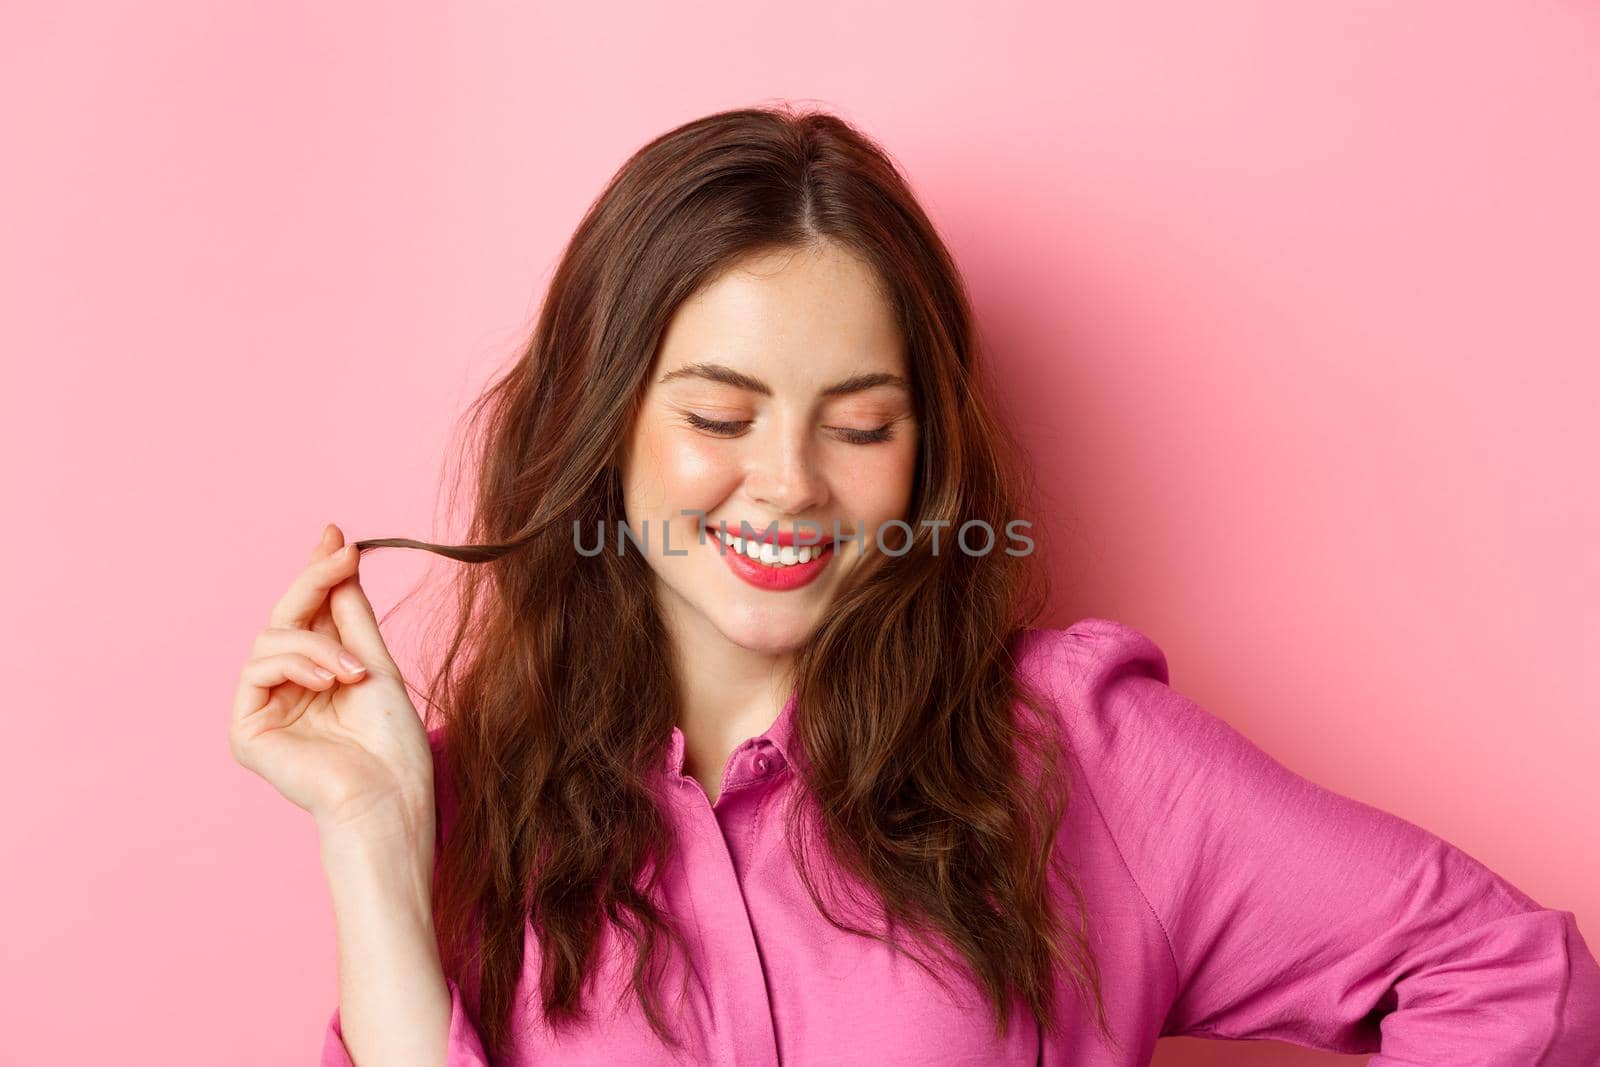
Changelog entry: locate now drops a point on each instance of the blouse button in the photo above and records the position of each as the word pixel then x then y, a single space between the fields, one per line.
pixel 762 764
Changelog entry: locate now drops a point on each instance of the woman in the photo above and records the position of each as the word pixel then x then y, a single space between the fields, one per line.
pixel 701 798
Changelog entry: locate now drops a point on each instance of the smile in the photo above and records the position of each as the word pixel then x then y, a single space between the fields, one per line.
pixel 768 566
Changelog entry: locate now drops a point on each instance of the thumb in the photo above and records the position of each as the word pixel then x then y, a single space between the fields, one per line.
pixel 358 625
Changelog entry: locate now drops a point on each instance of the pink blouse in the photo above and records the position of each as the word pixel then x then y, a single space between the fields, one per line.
pixel 1228 898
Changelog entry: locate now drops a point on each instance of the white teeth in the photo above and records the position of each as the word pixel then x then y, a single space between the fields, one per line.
pixel 770 554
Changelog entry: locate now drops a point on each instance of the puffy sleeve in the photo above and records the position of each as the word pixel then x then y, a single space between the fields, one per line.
pixel 464 1047
pixel 1297 914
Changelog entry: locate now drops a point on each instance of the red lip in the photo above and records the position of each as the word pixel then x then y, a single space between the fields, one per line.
pixel 774 579
pixel 761 535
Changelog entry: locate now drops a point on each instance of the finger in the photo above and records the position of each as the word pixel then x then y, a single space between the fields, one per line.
pixel 263 674
pixel 256 707
pixel 327 652
pixel 322 622
pixel 333 541
pixel 306 595
pixel 326 543
pixel 358 625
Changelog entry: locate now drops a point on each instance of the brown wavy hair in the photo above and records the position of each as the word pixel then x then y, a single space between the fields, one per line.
pixel 555 694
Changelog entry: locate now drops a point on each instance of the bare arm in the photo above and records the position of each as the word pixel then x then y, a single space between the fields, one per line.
pixel 394 1004
pixel 322 713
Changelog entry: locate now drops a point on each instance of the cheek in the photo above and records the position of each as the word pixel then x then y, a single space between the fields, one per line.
pixel 673 470
pixel 695 466
pixel 877 487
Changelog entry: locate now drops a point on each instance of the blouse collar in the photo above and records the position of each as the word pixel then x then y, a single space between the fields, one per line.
pixel 779 735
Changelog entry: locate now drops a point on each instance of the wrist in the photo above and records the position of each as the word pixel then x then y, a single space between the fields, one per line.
pixel 386 856
pixel 399 819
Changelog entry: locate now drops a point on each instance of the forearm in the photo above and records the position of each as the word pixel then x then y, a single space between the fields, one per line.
pixel 394 1003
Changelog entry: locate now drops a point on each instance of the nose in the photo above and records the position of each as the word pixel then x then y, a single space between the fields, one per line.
pixel 783 474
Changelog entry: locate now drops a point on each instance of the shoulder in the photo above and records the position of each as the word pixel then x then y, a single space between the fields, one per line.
pixel 1061 654
pixel 1108 683
pixel 1076 667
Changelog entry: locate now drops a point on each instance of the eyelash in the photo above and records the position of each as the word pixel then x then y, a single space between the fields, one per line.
pixel 851 435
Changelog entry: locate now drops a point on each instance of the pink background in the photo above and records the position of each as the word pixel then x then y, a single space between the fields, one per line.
pixel 1294 304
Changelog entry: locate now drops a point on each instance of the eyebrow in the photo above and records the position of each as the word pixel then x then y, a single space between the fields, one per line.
pixel 717 372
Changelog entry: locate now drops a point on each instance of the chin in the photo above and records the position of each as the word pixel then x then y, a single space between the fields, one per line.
pixel 766 634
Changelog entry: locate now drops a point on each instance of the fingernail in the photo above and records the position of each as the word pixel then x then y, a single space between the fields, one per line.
pixel 350 663
pixel 325 675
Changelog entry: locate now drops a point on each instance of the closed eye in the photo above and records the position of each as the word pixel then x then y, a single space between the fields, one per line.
pixel 846 433
pixel 715 426
pixel 865 437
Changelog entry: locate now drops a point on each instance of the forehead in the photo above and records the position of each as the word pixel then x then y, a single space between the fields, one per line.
pixel 819 304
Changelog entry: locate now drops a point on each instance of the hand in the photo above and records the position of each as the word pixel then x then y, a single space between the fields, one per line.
pixel 345 744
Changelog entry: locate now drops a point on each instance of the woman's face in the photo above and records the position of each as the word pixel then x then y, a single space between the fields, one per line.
pixel 780 393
